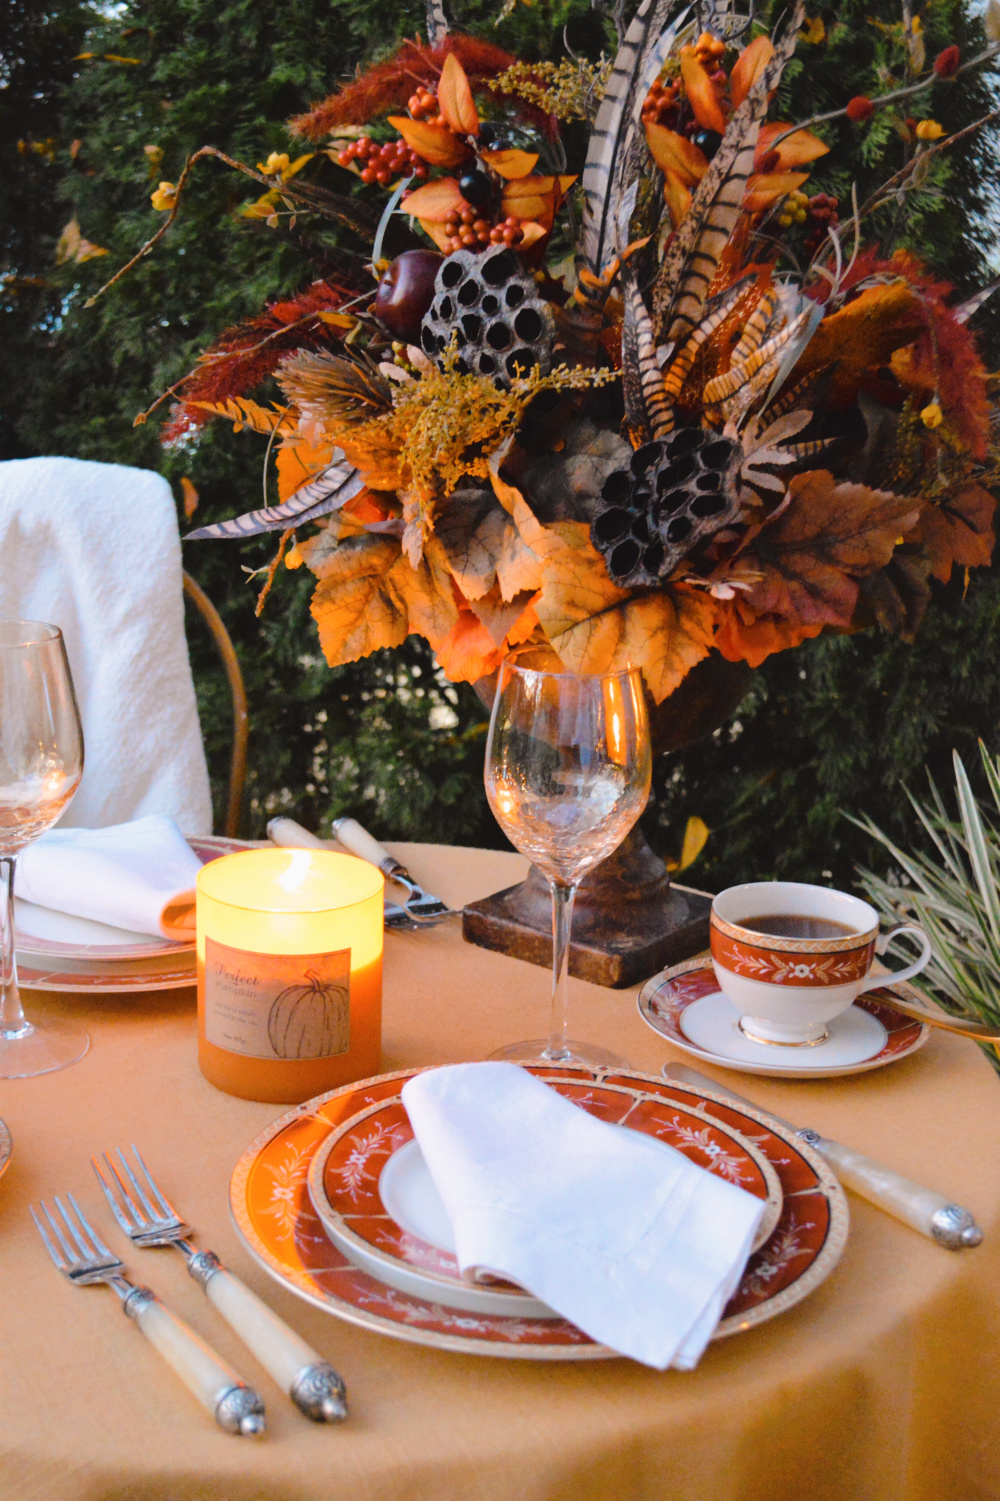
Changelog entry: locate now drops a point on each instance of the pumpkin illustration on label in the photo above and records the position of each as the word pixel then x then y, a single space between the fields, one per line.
pixel 311 1019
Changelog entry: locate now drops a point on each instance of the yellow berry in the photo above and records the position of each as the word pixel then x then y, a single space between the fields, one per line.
pixel 165 197
pixel 929 130
pixel 932 415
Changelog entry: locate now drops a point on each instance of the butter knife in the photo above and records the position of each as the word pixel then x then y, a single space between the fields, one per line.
pixel 923 1209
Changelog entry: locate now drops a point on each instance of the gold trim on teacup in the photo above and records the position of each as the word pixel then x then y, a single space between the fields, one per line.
pixel 800 967
pixel 794 945
pixel 776 1042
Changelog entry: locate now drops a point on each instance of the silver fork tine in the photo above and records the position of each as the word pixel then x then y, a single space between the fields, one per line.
pixel 57 1256
pixel 112 1198
pixel 153 1215
pixel 71 1256
pixel 128 1202
pixel 87 1251
pixel 102 1249
pixel 165 1206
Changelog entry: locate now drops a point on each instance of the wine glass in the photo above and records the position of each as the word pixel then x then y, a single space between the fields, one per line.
pixel 41 763
pixel 568 765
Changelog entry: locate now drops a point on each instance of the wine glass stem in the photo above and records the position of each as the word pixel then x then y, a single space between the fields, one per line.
pixel 12 1022
pixel 562 918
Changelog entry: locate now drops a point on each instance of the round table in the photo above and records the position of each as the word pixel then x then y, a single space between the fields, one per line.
pixel 885 1383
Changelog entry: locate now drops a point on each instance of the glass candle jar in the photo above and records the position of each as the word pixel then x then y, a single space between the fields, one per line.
pixel 289 972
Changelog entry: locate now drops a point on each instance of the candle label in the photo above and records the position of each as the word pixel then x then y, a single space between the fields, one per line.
pixel 289 1006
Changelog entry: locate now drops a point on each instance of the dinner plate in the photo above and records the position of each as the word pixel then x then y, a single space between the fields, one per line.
pixel 56 951
pixel 685 1005
pixel 374 1194
pixel 273 1214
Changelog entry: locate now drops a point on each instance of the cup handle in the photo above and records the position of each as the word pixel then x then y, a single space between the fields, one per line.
pixel 882 943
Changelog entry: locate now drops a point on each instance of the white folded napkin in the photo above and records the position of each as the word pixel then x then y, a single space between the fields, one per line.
pixel 613 1229
pixel 137 875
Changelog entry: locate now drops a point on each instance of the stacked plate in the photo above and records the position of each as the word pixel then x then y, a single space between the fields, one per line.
pixel 58 952
pixel 335 1201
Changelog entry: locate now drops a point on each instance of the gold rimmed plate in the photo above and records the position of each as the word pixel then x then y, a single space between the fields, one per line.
pixel 273 1214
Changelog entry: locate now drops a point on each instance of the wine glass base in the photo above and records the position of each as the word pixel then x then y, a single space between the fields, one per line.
pixel 37 1048
pixel 574 1054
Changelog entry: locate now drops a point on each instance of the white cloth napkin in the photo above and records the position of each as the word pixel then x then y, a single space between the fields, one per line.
pixel 613 1229
pixel 137 875
pixel 94 549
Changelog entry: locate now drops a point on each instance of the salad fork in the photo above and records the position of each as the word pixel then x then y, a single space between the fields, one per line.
pixel 149 1219
pixel 81 1255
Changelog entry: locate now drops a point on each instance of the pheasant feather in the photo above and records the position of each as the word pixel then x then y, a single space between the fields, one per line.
pixel 338 483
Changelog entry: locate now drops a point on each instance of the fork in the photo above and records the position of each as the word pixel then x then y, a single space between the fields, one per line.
pixel 420 907
pixel 82 1257
pixel 149 1219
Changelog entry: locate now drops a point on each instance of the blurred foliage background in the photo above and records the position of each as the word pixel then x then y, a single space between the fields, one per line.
pixel 98 102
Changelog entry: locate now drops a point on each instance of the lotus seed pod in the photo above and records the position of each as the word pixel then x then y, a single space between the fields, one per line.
pixel 488 305
pixel 675 492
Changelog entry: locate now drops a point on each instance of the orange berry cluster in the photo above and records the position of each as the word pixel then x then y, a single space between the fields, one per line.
pixel 660 102
pixel 383 164
pixel 468 231
pixel 423 105
pixel 663 97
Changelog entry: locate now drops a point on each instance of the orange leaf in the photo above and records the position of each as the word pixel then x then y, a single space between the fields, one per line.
pixel 752 640
pixel 190 497
pixel 436 202
pixel 677 196
pixel 511 164
pixel 353 606
pixel 863 335
pixel 455 98
pixel 765 188
pixel 434 143
pixel 535 198
pixel 958 530
pixel 531 233
pixel 794 151
pixel 467 652
pixel 701 93
pixel 675 153
pixel 748 67
pixel 298 463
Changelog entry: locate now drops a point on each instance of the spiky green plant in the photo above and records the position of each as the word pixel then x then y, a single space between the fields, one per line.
pixel 953 893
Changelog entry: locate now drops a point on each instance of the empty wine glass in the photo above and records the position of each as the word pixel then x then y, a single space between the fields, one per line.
pixel 41 763
pixel 568 766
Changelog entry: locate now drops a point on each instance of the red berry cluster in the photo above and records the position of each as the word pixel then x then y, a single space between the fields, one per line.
pixel 468 231
pixel 383 164
pixel 821 215
pixel 661 103
pixel 423 105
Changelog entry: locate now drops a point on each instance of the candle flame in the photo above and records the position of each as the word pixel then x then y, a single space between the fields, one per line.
pixel 296 872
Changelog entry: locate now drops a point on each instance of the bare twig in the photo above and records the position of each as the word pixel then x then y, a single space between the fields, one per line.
pixel 273 567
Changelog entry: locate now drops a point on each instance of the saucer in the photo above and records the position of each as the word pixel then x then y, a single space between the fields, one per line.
pixel 685 1005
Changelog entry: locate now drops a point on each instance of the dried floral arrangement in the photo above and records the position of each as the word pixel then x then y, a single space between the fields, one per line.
pixel 661 404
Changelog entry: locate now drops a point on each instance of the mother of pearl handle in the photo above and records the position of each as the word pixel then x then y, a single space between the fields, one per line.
pixel 234 1405
pixel 311 1382
pixel 929 1212
pixel 358 840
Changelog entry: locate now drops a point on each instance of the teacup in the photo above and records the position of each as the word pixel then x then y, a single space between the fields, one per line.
pixel 788 988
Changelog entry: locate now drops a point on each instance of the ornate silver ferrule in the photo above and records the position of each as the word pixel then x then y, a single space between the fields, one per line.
pixel 203 1266
pixel 240 1410
pixel 954 1227
pixel 809 1136
pixel 137 1301
pixel 320 1393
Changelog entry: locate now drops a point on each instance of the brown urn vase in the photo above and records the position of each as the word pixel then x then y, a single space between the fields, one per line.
pixel 628 920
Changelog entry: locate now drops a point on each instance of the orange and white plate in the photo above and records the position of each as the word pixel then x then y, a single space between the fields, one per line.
pixel 56 951
pixel 685 1005
pixel 371 1188
pixel 273 1214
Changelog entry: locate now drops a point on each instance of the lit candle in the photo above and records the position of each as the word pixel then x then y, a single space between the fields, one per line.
pixel 289 972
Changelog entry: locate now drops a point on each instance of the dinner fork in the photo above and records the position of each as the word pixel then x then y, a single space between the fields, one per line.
pixel 82 1256
pixel 149 1219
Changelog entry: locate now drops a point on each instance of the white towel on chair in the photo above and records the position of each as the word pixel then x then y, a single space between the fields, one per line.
pixel 95 550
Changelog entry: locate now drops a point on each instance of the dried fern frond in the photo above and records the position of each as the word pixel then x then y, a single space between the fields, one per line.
pixel 953 892
pixel 333 390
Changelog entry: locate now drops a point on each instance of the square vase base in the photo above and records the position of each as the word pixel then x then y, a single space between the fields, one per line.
pixel 614 948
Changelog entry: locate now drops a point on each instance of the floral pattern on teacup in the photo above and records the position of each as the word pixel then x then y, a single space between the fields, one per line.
pixel 802 968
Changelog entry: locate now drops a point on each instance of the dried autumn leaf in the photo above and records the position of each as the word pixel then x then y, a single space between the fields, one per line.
pixel 467 653
pixel 245 413
pixel 298 464
pixel 535 198
pixel 812 555
pixel 701 94
pixel 748 67
pixel 455 99
pixel 674 153
pixel 677 196
pixel 191 497
pixel 435 202
pixel 499 617
pixel 862 335
pixel 765 188
pixel 959 529
pixel 743 637
pixel 353 606
pixel 794 151
pixel 425 593
pixel 435 143
pixel 512 163
pixel 471 527
pixel 596 627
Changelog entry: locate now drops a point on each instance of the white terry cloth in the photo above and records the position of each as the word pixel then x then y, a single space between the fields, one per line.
pixel 94 549
pixel 615 1230
pixel 138 876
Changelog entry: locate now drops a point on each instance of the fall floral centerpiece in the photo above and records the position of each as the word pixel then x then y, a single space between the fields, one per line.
pixel 660 404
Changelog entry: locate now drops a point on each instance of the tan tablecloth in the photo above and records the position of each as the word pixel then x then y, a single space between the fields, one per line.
pixel 884 1384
